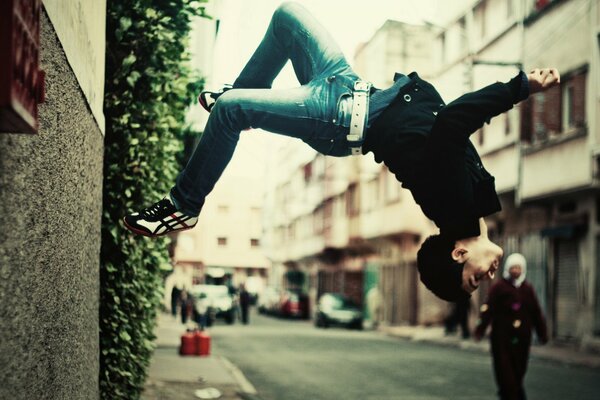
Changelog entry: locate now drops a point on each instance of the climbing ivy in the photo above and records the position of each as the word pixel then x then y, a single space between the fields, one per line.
pixel 149 84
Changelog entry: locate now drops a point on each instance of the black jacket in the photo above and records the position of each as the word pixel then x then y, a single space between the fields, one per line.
pixel 425 143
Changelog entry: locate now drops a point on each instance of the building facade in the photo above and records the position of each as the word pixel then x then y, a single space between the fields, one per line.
pixel 544 152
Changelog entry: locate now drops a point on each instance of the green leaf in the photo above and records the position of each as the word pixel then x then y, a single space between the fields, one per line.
pixel 125 23
pixel 150 13
pixel 133 77
pixel 129 60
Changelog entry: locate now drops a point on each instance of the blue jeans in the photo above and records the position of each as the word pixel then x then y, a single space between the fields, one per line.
pixel 317 112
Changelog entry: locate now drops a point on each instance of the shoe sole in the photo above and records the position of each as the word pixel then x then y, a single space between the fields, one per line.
pixel 140 232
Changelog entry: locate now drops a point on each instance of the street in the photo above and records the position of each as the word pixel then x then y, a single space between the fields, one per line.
pixel 288 360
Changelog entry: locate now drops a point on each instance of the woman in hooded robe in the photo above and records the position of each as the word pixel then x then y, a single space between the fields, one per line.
pixel 513 310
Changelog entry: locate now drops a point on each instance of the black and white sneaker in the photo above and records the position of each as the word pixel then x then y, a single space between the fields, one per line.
pixel 159 219
pixel 208 99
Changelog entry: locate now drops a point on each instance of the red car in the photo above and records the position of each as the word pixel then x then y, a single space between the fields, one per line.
pixel 293 304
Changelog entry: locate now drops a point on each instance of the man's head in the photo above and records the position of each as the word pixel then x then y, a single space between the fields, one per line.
pixel 453 269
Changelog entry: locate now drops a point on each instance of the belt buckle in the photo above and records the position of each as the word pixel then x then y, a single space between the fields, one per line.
pixel 362 86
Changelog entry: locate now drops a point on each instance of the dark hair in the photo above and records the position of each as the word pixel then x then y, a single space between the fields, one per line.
pixel 438 271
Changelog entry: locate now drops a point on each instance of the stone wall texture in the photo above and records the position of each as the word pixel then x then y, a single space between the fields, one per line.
pixel 50 213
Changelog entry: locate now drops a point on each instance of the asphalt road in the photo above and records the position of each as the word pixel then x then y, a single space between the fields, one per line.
pixel 293 360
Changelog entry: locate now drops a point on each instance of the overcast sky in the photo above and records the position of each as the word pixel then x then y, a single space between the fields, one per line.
pixel 350 22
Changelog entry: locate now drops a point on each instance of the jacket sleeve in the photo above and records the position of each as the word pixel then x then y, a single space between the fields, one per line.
pixel 487 311
pixel 463 116
pixel 539 322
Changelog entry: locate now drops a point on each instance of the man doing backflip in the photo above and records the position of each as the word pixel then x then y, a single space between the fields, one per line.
pixel 422 140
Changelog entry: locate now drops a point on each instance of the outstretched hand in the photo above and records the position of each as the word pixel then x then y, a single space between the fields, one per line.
pixel 541 79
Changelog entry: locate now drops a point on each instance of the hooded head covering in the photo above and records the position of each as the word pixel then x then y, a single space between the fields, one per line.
pixel 511 261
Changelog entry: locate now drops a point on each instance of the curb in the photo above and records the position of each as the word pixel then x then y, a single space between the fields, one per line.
pixel 247 390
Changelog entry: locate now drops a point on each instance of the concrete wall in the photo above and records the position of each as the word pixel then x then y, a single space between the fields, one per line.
pixel 81 27
pixel 50 209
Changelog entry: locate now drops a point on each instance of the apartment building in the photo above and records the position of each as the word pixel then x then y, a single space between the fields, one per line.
pixel 544 152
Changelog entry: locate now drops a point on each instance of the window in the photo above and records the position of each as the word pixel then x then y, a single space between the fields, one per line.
pixel 572 100
pixel 318 216
pixel 222 241
pixel 254 242
pixel 352 203
pixel 442 39
pixel 292 230
pixel 506 123
pixel 568 93
pixel 557 110
pixel 510 11
pixel 479 17
pixel 328 213
pixel 371 195
pixel 308 171
pixel 392 188
pixel 540 130
pixel 464 43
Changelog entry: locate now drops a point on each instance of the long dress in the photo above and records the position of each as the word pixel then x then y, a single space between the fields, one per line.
pixel 513 313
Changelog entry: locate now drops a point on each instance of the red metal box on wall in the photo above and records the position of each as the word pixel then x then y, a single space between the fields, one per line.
pixel 21 80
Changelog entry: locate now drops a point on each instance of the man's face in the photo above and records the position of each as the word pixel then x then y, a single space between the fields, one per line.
pixel 481 258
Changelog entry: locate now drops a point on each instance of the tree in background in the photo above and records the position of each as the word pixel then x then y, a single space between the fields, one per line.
pixel 149 85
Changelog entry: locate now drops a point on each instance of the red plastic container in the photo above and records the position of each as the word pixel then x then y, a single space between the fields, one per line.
pixel 188 344
pixel 202 343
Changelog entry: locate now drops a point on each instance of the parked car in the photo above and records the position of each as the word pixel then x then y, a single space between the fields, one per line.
pixel 336 309
pixel 268 301
pixel 221 304
pixel 293 304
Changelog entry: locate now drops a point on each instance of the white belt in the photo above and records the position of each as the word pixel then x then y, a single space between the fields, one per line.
pixel 360 116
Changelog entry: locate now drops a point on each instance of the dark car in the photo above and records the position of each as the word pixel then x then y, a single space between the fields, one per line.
pixel 293 304
pixel 336 309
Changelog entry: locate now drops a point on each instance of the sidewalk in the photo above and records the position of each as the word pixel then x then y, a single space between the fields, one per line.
pixel 556 353
pixel 173 377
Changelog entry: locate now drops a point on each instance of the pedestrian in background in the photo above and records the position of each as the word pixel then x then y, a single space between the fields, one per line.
pixel 244 303
pixel 375 306
pixel 187 306
pixel 201 310
pixel 513 310
pixel 459 316
pixel 175 294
